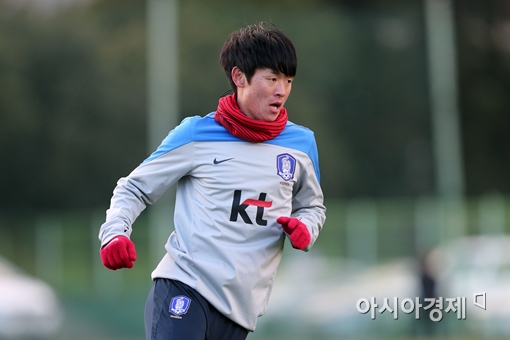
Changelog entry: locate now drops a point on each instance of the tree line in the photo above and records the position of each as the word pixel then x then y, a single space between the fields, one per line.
pixel 73 101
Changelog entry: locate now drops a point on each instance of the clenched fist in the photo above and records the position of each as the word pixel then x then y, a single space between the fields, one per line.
pixel 119 253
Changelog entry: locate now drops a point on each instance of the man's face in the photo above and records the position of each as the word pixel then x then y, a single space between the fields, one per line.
pixel 264 96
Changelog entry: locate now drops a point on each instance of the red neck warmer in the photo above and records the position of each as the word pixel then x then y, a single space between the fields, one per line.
pixel 237 123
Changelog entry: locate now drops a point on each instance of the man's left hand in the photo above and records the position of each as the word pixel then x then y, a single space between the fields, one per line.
pixel 298 232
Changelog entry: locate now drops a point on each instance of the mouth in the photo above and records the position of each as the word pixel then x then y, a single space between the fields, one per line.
pixel 275 107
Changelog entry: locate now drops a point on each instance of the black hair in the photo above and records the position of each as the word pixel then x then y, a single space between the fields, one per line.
pixel 255 47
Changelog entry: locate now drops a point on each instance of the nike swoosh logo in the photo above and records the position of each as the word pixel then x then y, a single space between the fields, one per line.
pixel 223 160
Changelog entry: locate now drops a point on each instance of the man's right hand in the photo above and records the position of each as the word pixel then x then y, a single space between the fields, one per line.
pixel 119 253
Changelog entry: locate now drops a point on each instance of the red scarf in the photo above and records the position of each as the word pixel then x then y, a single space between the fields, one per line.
pixel 237 123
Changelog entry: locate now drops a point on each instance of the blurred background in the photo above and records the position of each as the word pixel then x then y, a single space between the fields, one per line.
pixel 407 99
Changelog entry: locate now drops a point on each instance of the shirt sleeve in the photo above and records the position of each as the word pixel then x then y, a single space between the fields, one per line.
pixel 308 201
pixel 172 160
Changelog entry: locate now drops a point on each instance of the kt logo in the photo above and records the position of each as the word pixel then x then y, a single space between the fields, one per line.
pixel 239 208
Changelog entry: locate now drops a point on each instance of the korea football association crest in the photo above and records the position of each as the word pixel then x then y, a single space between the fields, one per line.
pixel 286 166
pixel 179 305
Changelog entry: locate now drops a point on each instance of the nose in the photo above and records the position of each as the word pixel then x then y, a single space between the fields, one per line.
pixel 280 89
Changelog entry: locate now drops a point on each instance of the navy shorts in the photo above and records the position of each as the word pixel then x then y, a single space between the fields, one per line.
pixel 175 311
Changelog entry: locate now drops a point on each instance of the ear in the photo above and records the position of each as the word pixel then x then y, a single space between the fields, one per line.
pixel 238 77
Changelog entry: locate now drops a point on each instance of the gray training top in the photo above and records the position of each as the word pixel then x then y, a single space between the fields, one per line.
pixel 227 244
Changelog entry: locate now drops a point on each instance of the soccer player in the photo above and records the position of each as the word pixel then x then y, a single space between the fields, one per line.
pixel 246 178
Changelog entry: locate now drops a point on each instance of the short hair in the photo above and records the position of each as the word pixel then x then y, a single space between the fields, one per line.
pixel 258 46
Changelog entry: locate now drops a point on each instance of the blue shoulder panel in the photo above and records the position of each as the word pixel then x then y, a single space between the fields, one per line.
pixel 299 138
pixel 206 129
pixel 192 129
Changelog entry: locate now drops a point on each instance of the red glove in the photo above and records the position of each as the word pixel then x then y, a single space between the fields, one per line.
pixel 298 233
pixel 119 253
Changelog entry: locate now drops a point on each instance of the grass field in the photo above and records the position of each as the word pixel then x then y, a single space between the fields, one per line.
pixel 90 318
pixel 104 305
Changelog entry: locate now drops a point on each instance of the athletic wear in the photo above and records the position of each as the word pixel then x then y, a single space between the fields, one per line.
pixel 229 115
pixel 119 253
pixel 227 244
pixel 174 309
pixel 298 232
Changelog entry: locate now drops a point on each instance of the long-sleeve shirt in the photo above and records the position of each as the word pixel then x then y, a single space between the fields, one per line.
pixel 226 244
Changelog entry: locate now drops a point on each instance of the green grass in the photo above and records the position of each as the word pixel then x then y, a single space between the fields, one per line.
pixel 100 304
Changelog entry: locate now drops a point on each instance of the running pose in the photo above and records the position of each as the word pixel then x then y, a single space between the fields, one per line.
pixel 246 177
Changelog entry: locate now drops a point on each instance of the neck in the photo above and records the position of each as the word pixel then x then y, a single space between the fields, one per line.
pixel 242 126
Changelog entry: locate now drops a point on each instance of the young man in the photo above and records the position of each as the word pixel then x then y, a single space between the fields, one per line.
pixel 247 177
